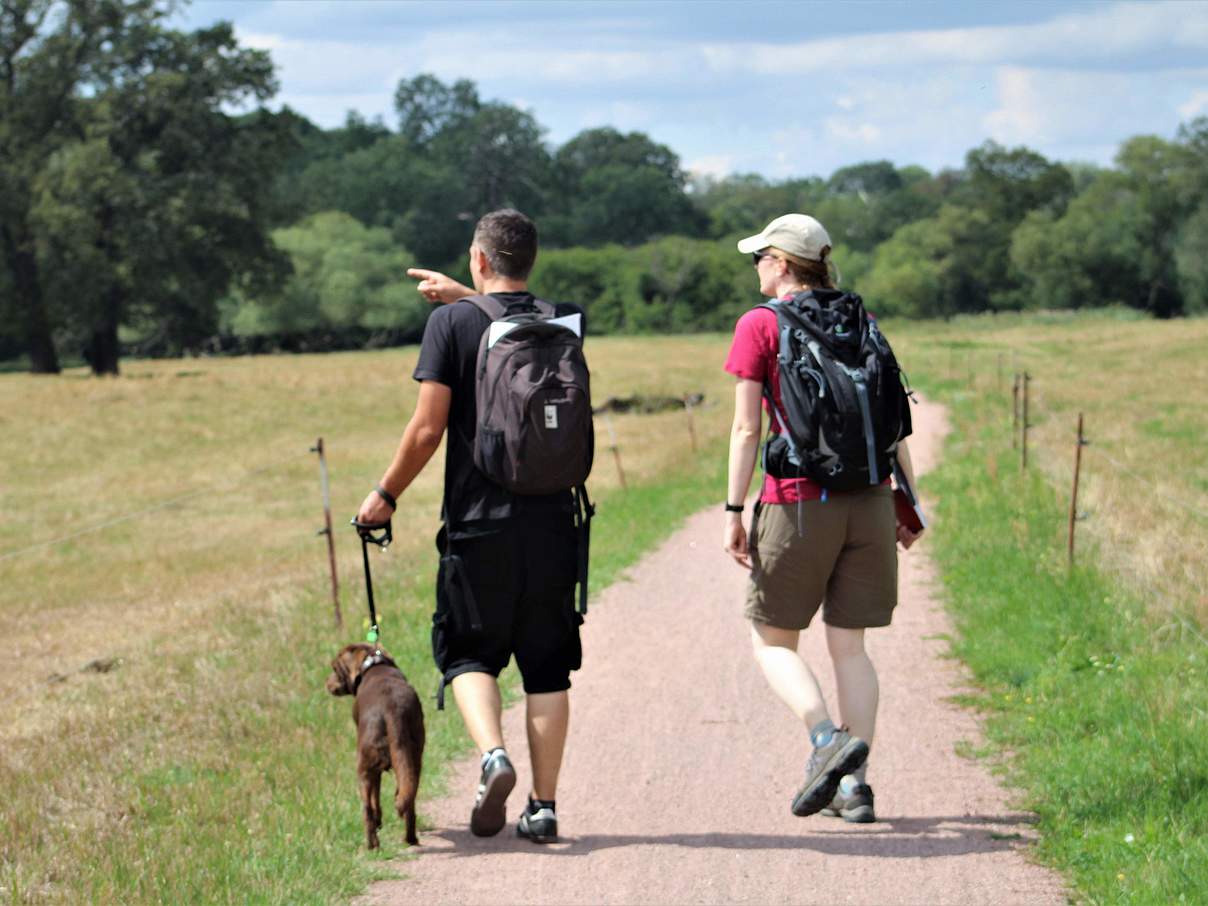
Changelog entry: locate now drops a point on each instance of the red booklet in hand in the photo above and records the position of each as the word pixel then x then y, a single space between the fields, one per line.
pixel 909 513
pixel 906 504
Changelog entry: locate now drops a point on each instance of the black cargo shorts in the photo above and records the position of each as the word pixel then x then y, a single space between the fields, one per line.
pixel 510 592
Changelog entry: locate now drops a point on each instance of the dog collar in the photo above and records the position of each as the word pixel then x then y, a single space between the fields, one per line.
pixel 371 661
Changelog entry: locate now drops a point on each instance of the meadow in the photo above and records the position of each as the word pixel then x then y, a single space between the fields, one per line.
pixel 164 732
pixel 1140 384
pixel 1090 679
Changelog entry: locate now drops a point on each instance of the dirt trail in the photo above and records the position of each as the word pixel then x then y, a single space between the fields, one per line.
pixel 681 764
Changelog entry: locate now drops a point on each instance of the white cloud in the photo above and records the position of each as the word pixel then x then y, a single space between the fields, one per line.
pixel 1195 105
pixel 711 165
pixel 848 131
pixel 625 116
pixel 1100 34
pixel 1073 84
pixel 1054 106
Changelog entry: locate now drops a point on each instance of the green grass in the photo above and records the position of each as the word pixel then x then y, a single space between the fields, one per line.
pixel 1095 705
pixel 271 813
pixel 213 767
pixel 210 765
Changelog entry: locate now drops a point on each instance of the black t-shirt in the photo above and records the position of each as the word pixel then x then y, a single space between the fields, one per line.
pixel 448 355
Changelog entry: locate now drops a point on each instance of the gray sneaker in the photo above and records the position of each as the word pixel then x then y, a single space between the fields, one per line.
pixel 826 767
pixel 489 814
pixel 538 823
pixel 856 807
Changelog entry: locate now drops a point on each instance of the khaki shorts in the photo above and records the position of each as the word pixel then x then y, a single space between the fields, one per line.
pixel 845 560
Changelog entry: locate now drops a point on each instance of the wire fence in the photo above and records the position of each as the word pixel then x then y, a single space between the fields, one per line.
pixel 210 490
pixel 1131 473
pixel 1102 465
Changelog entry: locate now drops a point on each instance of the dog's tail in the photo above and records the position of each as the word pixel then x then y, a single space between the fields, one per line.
pixel 406 757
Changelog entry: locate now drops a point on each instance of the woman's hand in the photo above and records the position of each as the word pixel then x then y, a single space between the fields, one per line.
pixel 437 287
pixel 906 537
pixel 734 540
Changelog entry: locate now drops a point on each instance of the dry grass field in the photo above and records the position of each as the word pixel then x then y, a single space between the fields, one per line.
pixel 140 653
pixel 148 661
pixel 1143 388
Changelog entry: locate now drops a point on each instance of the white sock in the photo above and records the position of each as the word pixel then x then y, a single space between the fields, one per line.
pixel 850 781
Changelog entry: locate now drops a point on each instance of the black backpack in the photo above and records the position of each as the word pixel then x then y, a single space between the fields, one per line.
pixel 533 389
pixel 844 404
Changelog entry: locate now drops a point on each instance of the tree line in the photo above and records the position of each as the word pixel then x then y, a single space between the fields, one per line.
pixel 150 203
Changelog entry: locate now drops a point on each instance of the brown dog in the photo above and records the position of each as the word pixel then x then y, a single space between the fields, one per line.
pixel 390 730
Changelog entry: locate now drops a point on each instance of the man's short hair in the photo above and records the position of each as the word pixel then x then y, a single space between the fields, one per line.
pixel 509 240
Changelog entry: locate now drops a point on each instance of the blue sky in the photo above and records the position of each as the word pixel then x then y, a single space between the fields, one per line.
pixel 780 89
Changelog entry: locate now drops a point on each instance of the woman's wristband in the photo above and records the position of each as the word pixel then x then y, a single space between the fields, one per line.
pixel 734 507
pixel 386 496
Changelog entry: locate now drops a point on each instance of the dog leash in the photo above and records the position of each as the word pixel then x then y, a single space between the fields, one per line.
pixel 381 535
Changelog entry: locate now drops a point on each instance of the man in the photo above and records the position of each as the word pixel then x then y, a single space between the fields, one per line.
pixel 508 562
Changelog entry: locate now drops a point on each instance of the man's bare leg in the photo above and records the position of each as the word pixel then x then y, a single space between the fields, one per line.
pixel 547 716
pixel 481 708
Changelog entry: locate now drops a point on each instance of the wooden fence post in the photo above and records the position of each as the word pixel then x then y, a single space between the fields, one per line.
pixel 1081 442
pixel 326 530
pixel 616 452
pixel 1015 413
pixel 691 425
pixel 1024 421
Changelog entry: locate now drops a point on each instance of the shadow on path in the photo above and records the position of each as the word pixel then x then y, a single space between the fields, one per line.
pixel 894 838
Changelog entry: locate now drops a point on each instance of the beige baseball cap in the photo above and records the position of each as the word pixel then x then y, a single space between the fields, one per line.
pixel 800 235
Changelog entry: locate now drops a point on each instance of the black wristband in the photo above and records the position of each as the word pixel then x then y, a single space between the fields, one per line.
pixel 386 496
pixel 734 507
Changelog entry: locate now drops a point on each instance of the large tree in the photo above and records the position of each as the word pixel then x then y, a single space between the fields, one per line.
pixel 620 187
pixel 1133 237
pixel 148 198
pixel 163 198
pixel 51 53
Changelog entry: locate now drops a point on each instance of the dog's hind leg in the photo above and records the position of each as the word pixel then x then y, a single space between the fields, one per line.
pixel 371 792
pixel 406 773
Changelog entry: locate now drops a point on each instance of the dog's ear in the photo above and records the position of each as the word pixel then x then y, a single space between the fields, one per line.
pixel 341 679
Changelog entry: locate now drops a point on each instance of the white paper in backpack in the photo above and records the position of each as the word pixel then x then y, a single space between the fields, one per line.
pixel 500 329
pixel 573 323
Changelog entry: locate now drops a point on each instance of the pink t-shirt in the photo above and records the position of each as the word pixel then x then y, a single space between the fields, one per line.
pixel 753 357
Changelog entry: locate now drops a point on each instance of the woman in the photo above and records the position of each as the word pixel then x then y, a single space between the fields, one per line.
pixel 809 548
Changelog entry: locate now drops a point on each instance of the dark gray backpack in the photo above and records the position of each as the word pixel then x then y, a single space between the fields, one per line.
pixel 844 406
pixel 534 433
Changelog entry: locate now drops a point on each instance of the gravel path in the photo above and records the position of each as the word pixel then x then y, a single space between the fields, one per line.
pixel 681 764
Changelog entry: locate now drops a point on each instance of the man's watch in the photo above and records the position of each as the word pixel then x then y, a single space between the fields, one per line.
pixel 734 507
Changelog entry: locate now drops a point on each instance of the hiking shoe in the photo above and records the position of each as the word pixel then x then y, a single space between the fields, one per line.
pixel 538 823
pixel 856 807
pixel 489 814
pixel 826 767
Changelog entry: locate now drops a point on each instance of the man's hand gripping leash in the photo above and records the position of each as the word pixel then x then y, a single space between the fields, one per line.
pixel 381 535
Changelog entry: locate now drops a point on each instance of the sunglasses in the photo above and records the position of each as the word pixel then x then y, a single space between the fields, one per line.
pixel 756 257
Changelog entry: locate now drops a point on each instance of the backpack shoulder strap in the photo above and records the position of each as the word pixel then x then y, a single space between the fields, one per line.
pixel 495 310
pixel 488 305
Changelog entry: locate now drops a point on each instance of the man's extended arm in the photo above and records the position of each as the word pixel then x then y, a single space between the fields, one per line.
pixel 421 438
pixel 437 287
